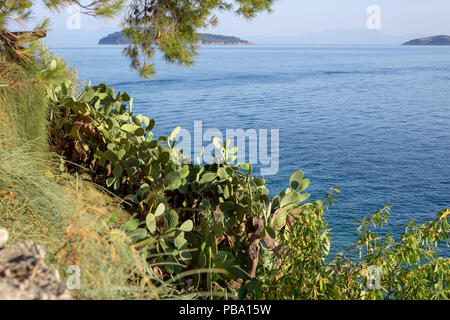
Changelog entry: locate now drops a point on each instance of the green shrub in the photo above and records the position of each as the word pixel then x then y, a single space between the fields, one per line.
pixel 205 208
pixel 218 221
pixel 408 268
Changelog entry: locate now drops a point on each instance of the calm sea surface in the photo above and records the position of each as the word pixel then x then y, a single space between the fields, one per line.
pixel 374 120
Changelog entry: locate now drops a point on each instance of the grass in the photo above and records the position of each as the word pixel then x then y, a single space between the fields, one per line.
pixel 71 218
pixel 23 109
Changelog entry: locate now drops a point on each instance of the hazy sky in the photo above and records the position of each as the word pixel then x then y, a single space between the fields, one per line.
pixel 296 17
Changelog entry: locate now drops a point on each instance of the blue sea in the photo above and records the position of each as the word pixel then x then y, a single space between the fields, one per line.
pixel 374 120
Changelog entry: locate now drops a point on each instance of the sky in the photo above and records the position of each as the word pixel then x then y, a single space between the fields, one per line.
pixel 297 17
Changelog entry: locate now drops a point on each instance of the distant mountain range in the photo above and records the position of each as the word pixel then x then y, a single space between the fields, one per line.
pixel 204 39
pixel 441 40
pixel 338 37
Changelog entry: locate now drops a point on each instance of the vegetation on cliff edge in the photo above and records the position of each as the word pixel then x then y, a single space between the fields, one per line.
pixel 87 178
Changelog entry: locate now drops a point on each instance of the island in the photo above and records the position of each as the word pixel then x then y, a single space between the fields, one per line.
pixel 441 40
pixel 204 39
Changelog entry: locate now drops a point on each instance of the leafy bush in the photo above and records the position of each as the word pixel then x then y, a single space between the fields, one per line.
pixel 408 268
pixel 218 221
pixel 219 210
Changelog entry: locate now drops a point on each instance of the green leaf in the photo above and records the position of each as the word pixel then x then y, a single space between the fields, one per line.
pixel 117 184
pixel 88 95
pixel 271 232
pixel 233 150
pixel 211 242
pixel 130 225
pixel 304 185
pixel 164 157
pixel 185 171
pixel 222 173
pixel 293 198
pixel 278 220
pixel 180 241
pixel 137 235
pixel 226 192
pixel 238 272
pixel 150 125
pixel 150 220
pixel 174 133
pixel 171 219
pixel 187 226
pixel 139 132
pixel 107 107
pixel 125 97
pixel 220 258
pixel 110 155
pixel 110 181
pixel 118 170
pixel 132 198
pixel 245 166
pixel 201 261
pixel 120 154
pixel 78 107
pixel 172 180
pixel 296 179
pixel 128 127
pixel 208 177
pixel 160 210
pixel 304 197
pixel 144 119
pixel 185 256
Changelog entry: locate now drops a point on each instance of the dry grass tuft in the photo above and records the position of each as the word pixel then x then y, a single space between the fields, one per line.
pixel 71 218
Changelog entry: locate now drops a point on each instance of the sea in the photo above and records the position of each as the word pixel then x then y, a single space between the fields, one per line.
pixel 374 120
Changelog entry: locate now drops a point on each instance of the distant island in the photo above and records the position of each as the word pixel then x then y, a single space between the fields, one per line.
pixel 204 39
pixel 441 40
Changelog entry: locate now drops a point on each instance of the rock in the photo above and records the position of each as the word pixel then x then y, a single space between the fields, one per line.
pixel 3 237
pixel 24 274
